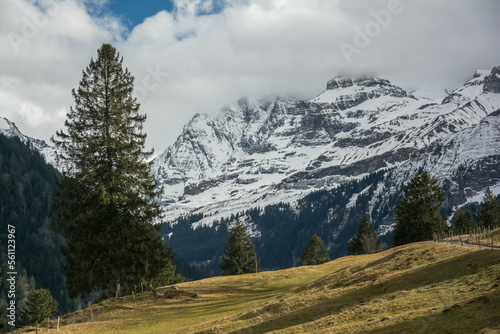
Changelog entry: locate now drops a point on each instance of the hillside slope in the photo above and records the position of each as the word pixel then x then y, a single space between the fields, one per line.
pixel 416 288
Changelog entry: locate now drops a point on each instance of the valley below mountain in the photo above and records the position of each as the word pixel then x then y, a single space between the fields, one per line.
pixel 289 168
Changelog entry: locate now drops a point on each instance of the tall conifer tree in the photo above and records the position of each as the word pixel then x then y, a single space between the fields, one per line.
pixel 40 306
pixel 462 221
pixel 239 254
pixel 106 205
pixel 365 241
pixel 417 215
pixel 489 211
pixel 315 252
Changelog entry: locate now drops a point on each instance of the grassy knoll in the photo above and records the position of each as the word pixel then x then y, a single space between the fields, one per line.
pixel 418 288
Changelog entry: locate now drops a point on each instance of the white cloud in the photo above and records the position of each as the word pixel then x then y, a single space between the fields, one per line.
pixel 186 63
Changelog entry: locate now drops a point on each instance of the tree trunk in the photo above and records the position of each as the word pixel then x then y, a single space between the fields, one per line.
pixel 117 291
pixel 155 293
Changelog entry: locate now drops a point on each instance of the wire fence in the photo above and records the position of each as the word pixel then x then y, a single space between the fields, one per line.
pixel 143 297
pixel 54 324
pixel 483 237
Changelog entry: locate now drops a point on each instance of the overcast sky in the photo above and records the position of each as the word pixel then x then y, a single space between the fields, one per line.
pixel 196 56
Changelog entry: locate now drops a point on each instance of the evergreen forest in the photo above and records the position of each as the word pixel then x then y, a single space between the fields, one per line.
pixel 27 195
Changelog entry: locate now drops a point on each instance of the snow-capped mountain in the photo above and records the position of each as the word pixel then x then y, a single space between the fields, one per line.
pixel 258 152
pixel 9 129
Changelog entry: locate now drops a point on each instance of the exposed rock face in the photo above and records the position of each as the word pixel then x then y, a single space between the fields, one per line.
pixel 492 81
pixel 257 152
pixel 342 82
pixel 354 91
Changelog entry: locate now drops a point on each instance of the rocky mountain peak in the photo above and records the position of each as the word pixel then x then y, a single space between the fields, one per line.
pixel 347 81
pixel 492 81
pixel 9 129
pixel 349 91
pixel 268 150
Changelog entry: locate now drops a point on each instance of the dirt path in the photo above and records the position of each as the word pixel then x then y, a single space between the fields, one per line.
pixel 456 241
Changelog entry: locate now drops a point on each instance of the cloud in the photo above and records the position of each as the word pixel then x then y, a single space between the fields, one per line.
pixel 46 46
pixel 193 60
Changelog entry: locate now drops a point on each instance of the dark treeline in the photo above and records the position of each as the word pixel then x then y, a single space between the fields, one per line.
pixel 197 245
pixel 27 194
pixel 285 230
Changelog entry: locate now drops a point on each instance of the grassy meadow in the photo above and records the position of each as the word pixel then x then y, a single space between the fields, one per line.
pixel 417 288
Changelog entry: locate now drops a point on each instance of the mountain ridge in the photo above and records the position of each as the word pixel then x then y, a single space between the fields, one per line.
pixel 9 129
pixel 285 148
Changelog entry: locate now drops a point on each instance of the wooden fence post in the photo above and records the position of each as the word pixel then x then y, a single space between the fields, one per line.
pixel 58 319
pixel 460 237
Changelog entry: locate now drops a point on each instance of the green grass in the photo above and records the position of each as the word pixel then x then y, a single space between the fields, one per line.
pixel 417 288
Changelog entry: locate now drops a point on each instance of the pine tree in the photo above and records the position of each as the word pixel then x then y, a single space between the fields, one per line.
pixel 315 252
pixel 106 198
pixel 365 241
pixel 417 215
pixel 462 221
pixel 40 306
pixel 167 276
pixel 489 211
pixel 239 253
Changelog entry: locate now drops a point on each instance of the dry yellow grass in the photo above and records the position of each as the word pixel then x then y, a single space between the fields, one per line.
pixel 417 288
pixel 490 239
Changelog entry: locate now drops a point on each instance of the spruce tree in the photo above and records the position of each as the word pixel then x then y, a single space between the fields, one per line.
pixel 106 204
pixel 239 253
pixel 417 215
pixel 365 241
pixel 489 211
pixel 40 306
pixel 462 221
pixel 315 252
